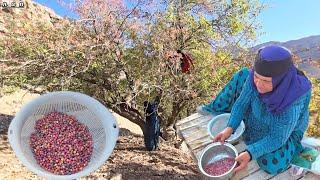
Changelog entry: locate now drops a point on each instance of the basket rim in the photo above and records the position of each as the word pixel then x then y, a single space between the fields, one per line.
pixel 94 106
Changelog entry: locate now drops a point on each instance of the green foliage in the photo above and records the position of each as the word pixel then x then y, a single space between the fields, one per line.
pixel 2 50
pixel 314 125
pixel 8 89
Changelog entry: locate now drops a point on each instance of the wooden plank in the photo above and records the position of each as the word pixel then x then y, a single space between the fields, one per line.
pixel 191 117
pixel 240 175
pixel 285 175
pixel 310 176
pixel 190 124
pixel 260 174
pixel 195 158
pixel 196 126
pixel 263 175
pixel 199 137
pixel 200 142
pixel 252 168
pixel 199 133
pixel 186 144
pixel 194 130
pixel 198 152
pixel 195 122
pixel 189 137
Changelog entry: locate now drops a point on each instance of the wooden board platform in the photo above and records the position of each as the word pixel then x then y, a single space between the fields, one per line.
pixel 193 130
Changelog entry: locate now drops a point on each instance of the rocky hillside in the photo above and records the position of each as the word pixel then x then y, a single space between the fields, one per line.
pixel 16 18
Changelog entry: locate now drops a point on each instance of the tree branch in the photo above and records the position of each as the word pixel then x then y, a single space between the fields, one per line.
pixel 130 113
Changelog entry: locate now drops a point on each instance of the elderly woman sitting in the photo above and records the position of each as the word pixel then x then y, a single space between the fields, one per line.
pixel 272 99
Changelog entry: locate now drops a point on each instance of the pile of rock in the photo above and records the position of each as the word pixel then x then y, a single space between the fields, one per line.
pixel 32 13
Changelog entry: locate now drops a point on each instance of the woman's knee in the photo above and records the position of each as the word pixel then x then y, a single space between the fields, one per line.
pixel 279 160
pixel 273 163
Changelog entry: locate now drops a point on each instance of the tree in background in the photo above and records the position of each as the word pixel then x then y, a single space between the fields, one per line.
pixel 126 52
pixel 314 124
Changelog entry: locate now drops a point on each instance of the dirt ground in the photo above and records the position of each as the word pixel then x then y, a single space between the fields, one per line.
pixel 129 159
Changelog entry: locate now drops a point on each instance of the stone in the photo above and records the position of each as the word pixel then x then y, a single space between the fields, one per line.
pixel 3 29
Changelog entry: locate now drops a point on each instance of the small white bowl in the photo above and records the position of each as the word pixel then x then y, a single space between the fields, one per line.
pixel 219 123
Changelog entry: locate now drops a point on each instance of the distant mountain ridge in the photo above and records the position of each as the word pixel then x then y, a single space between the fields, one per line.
pixel 307 48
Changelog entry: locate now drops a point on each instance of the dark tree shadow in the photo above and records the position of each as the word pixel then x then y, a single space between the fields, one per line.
pixel 134 171
pixel 4 125
pixel 127 132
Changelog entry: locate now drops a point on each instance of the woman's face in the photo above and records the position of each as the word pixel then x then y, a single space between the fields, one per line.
pixel 263 84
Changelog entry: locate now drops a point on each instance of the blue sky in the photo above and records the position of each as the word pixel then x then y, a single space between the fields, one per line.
pixel 60 10
pixel 290 19
pixel 283 20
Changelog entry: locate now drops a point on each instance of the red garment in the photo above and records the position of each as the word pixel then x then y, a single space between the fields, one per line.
pixel 186 63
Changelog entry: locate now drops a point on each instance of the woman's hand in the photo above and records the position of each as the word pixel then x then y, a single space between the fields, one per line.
pixel 243 159
pixel 223 135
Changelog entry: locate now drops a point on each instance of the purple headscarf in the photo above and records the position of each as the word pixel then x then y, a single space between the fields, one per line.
pixel 287 87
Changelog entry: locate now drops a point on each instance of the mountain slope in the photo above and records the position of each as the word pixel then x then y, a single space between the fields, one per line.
pixel 307 48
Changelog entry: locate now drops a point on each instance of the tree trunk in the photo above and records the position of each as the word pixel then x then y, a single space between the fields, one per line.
pixel 131 114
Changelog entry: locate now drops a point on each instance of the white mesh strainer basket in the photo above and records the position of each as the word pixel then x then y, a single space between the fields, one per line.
pixel 101 123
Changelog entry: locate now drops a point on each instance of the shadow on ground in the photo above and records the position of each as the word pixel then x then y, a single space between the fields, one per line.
pixel 4 125
pixel 134 171
pixel 131 160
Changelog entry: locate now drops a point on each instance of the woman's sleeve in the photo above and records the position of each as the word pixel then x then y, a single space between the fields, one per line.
pixel 240 106
pixel 281 128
